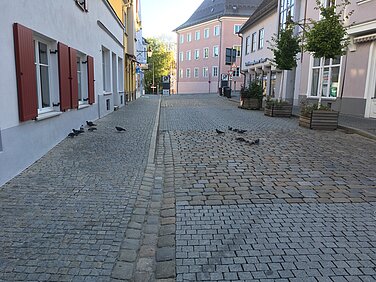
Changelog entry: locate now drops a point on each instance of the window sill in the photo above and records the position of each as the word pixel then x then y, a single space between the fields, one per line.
pixel 322 98
pixel 107 93
pixel 83 106
pixel 47 115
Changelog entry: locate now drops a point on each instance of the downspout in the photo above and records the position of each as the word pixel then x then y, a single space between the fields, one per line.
pixel 178 64
pixel 241 58
pixel 220 54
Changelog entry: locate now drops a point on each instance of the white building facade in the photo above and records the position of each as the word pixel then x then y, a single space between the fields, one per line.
pixel 62 64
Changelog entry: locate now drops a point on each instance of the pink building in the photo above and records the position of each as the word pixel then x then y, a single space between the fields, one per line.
pixel 349 82
pixel 202 41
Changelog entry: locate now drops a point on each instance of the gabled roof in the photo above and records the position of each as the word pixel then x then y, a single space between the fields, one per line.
pixel 266 7
pixel 213 9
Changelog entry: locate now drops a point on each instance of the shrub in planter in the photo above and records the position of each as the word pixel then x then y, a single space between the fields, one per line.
pixel 277 108
pixel 251 96
pixel 315 117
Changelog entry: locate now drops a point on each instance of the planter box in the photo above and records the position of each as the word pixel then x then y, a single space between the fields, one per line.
pixel 320 120
pixel 250 104
pixel 279 111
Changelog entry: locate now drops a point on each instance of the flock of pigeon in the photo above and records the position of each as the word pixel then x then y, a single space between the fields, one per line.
pixel 92 127
pixel 240 139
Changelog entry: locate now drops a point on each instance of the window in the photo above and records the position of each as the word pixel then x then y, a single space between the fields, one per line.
pixel 237 28
pixel 215 51
pixel 188 55
pixel 120 76
pixel 261 39
pixel 327 72
pixel 41 60
pixel 180 73
pixel 181 38
pixel 205 72
pixel 206 53
pixel 206 33
pixel 197 54
pixel 195 72
pixel 286 9
pixel 82 4
pixel 81 78
pixel 253 42
pixel 236 72
pixel 197 35
pixel 216 30
pixel 189 37
pixel 125 22
pixel 106 70
pixel 188 73
pixel 238 49
pixel 247 44
pixel 215 71
pixel 181 56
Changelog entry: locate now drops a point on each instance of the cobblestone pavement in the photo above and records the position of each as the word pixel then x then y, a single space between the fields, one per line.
pixel 65 218
pixel 300 206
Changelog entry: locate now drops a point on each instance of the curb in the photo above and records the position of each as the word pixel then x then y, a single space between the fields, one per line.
pixel 153 143
pixel 358 131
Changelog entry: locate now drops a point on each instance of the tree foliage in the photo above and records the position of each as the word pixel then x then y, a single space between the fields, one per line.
pixel 286 47
pixel 162 62
pixel 327 37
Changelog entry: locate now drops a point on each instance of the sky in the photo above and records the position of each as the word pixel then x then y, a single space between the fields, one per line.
pixel 160 17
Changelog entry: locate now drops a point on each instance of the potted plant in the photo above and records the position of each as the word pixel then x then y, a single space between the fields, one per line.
pixel 251 96
pixel 320 118
pixel 277 108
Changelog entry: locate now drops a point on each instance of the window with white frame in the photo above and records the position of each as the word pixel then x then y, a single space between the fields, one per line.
pixel 206 33
pixel 216 30
pixel 238 49
pixel 188 55
pixel 215 51
pixel 205 72
pixel 106 70
pixel 197 35
pixel 215 71
pixel 81 78
pixel 237 28
pixel 248 45
pixel 189 37
pixel 181 38
pixel 181 72
pixel 236 72
pixel 42 66
pixel 206 53
pixel 197 54
pixel 261 39
pixel 286 9
pixel 181 56
pixel 120 75
pixel 253 42
pixel 188 73
pixel 195 72
pixel 325 72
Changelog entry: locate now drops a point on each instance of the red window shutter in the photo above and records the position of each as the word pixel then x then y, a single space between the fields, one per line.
pixel 64 82
pixel 73 77
pixel 90 79
pixel 25 72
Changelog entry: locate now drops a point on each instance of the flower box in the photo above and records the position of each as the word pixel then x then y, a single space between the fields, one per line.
pixel 320 120
pixel 250 103
pixel 278 110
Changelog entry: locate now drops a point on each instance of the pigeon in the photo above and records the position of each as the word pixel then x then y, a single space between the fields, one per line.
pixel 118 128
pixel 230 128
pixel 76 132
pixel 91 129
pixel 90 123
pixel 218 131
pixel 82 129
pixel 71 135
pixel 241 131
pixel 254 142
pixel 241 139
pixel 235 130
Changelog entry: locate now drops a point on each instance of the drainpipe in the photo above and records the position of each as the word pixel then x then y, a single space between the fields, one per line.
pixel 220 53
pixel 178 64
pixel 241 57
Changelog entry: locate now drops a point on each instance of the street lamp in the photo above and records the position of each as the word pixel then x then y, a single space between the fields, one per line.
pixel 149 52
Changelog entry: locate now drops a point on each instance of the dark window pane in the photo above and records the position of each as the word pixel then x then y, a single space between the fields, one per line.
pixel 43 53
pixel 44 86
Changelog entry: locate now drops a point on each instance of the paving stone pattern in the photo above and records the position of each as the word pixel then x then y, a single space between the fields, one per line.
pixel 300 206
pixel 65 217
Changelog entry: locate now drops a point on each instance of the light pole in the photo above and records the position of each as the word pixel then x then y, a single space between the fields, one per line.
pixel 153 79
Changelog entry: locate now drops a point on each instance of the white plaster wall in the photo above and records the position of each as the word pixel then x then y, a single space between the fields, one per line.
pixel 60 20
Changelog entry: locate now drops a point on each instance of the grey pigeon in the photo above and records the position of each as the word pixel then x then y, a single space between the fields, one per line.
pixel 90 123
pixel 218 131
pixel 76 132
pixel 241 139
pixel 91 129
pixel 230 128
pixel 118 128
pixel 71 135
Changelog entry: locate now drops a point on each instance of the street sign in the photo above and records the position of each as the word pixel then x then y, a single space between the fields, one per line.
pixel 224 76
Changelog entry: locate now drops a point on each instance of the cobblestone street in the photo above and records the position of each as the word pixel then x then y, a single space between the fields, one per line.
pixel 195 205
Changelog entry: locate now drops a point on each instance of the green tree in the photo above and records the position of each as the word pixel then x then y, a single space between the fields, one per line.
pixel 161 63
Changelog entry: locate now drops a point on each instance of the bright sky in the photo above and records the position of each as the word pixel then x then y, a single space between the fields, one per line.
pixel 160 17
